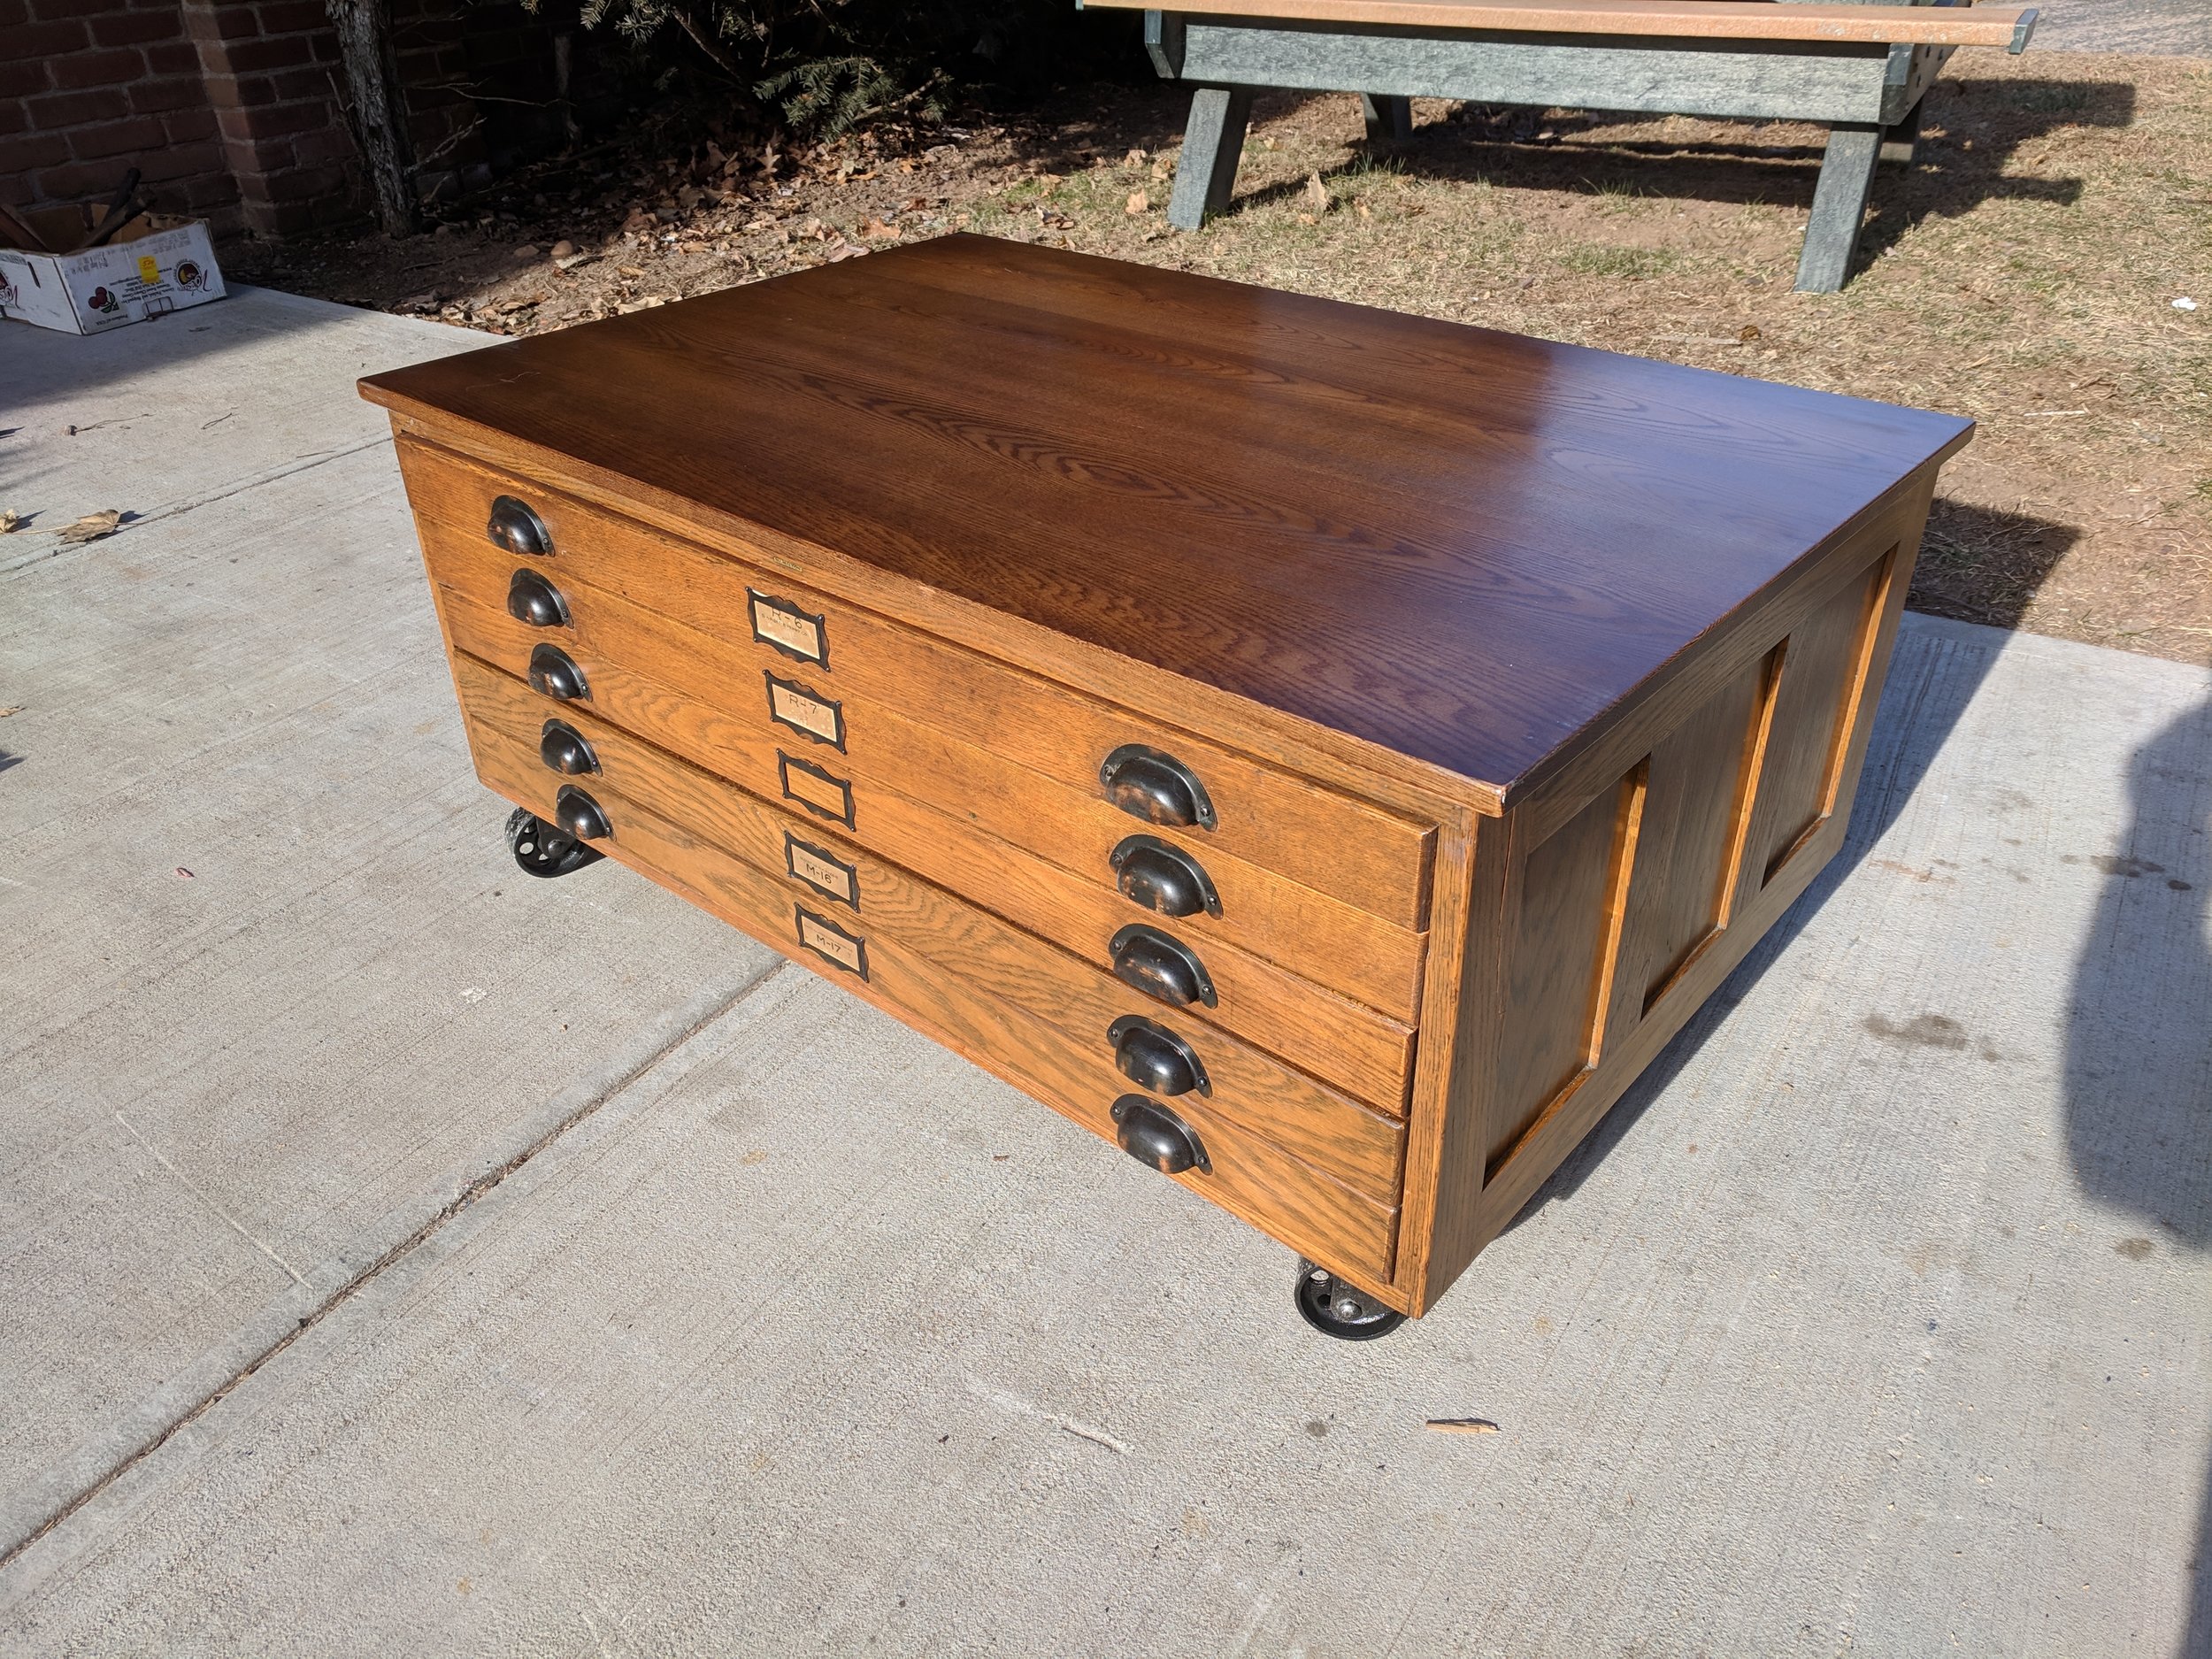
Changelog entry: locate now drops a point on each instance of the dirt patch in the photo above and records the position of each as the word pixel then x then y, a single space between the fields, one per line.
pixel 2024 273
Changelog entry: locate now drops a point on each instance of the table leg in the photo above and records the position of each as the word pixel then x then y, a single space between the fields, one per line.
pixel 1212 144
pixel 1389 117
pixel 1900 143
pixel 1839 208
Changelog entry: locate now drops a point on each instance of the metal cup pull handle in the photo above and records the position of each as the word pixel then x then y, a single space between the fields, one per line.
pixel 1150 1133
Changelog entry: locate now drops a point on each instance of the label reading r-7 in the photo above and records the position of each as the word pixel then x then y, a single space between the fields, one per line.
pixel 806 712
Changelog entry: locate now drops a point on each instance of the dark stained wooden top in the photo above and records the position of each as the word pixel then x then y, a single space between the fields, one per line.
pixel 1460 544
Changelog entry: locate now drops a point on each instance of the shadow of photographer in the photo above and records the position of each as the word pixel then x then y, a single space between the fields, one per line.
pixel 2139 1046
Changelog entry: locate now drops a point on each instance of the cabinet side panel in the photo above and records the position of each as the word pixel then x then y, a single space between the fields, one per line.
pixel 1824 665
pixel 1447 1144
pixel 1827 729
pixel 1703 760
pixel 1559 958
pixel 1703 778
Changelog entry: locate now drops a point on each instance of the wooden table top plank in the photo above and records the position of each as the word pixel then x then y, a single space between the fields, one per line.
pixel 1461 411
pixel 1459 544
pixel 1707 19
pixel 1396 460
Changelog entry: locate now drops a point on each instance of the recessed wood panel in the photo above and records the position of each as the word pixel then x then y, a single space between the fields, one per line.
pixel 1823 664
pixel 1692 819
pixel 1559 963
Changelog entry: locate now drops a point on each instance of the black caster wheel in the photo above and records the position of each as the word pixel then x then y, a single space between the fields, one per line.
pixel 541 849
pixel 1329 1304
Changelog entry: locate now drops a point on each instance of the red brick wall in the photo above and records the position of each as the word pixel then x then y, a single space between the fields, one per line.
pixel 270 71
pixel 89 88
pixel 233 110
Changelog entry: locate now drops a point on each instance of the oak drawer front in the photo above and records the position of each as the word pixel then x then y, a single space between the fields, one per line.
pixel 1360 853
pixel 965 1003
pixel 831 736
pixel 845 888
pixel 1363 1050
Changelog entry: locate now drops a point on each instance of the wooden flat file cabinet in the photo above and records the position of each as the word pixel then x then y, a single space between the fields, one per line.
pixel 1327 752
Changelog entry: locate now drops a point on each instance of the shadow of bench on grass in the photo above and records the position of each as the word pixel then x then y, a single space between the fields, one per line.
pixel 1973 131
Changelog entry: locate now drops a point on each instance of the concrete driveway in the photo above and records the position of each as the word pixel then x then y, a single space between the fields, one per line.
pixel 399 1255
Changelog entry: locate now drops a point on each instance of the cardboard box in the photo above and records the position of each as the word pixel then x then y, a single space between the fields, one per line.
pixel 154 264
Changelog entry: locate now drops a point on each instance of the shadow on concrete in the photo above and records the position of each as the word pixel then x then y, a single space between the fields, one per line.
pixel 2138 1041
pixel 2138 1052
pixel 177 339
pixel 2139 1047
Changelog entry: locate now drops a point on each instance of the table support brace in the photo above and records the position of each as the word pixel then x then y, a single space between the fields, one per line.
pixel 1212 144
pixel 1839 207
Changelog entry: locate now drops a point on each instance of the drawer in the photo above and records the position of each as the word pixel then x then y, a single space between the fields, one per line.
pixel 1308 1166
pixel 1352 1045
pixel 882 760
pixel 1332 887
pixel 852 888
pixel 879 750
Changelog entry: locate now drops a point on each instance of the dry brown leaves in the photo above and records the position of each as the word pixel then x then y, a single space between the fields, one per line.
pixel 92 526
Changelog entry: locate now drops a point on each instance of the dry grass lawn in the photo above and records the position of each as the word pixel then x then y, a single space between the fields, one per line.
pixel 2024 274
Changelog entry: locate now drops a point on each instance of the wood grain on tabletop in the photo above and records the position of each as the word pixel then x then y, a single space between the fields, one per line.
pixel 1460 544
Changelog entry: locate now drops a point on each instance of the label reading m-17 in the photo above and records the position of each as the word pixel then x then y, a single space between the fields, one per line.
pixel 825 938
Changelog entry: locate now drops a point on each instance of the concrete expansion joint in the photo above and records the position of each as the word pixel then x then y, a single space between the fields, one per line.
pixel 177 508
pixel 344 1280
